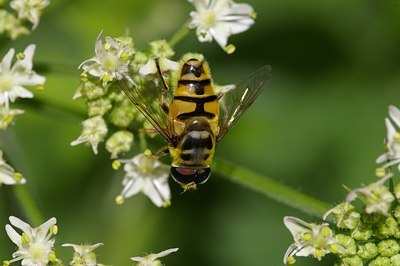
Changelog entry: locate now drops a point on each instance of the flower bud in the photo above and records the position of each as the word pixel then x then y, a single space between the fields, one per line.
pixel 122 114
pixel 387 227
pixel 362 232
pixel 98 107
pixel 388 247
pixel 380 261
pixel 347 245
pixel 351 261
pixel 119 142
pixel 367 251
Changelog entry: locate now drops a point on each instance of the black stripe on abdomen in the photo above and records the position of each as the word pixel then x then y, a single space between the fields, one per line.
pixel 198 85
pixel 199 110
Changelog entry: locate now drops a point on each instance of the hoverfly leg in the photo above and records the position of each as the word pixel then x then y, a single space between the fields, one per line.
pixel 161 152
pixel 165 88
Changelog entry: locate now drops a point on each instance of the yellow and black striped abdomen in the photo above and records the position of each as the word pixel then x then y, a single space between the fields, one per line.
pixel 194 96
pixel 194 116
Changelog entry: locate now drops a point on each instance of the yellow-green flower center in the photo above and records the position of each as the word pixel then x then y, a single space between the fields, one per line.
pixel 109 62
pixel 37 252
pixel 208 19
pixel 6 82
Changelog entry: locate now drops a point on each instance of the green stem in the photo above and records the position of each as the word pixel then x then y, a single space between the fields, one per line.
pixel 28 204
pixel 270 188
pixel 179 35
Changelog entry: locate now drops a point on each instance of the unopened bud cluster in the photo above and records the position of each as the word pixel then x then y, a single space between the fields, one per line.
pixel 368 235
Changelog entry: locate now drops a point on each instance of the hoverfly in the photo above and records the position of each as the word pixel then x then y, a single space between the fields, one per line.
pixel 192 117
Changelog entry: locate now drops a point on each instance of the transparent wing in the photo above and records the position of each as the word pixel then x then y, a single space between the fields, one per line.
pixel 235 101
pixel 146 95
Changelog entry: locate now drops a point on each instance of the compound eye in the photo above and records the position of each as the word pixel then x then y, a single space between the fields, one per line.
pixel 187 175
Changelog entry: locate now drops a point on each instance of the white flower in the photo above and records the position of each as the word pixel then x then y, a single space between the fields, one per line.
pixel 376 196
pixel 7 174
pixel 35 245
pixel 13 78
pixel 84 255
pixel 392 140
pixel 219 19
pixel 152 259
pixel 309 239
pixel 7 116
pixel 29 9
pixel 147 175
pixel 10 24
pixel 94 131
pixel 161 51
pixel 111 60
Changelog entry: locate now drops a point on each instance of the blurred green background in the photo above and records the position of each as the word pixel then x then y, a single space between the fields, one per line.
pixel 320 124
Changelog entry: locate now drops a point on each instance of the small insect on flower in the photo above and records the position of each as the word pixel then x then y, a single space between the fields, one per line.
pixel 191 116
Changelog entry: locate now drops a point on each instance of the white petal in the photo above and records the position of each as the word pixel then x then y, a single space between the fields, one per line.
pixel 220 34
pixel 139 259
pixel 163 253
pixel 30 80
pixel 19 92
pixel 44 228
pixel 394 113
pixel 382 158
pixel 26 63
pixel 305 251
pixel 99 49
pixel 148 68
pixel 5 64
pixel 153 192
pixel 296 226
pixel 391 131
pixel 26 228
pixel 13 235
pixel 133 187
pixel 241 8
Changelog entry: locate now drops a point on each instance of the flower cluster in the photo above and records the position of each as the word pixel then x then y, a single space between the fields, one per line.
pixel 27 12
pixel 118 66
pixel 13 78
pixel 36 247
pixel 366 236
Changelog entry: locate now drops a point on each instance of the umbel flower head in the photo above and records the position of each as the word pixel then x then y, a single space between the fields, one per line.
pixel 153 259
pixel 7 174
pixel 147 175
pixel 219 19
pixel 35 245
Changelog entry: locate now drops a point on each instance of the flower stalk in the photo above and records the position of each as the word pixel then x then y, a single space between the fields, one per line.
pixel 270 188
